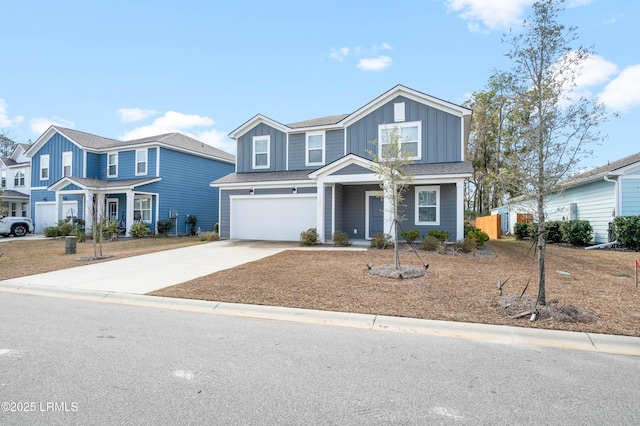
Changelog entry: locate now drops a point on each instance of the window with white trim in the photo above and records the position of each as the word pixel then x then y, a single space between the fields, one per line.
pixel 427 205
pixel 67 161
pixel 24 209
pixel 398 111
pixel 44 167
pixel 261 151
pixel 18 179
pixel 408 136
pixel 3 179
pixel 141 161
pixel 13 210
pixel 314 149
pixel 112 164
pixel 142 209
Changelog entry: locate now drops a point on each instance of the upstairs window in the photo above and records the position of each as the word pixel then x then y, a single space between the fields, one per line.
pixel 407 135
pixel 427 205
pixel 314 149
pixel 141 162
pixel 44 167
pixel 3 179
pixel 18 179
pixel 112 164
pixel 67 161
pixel 261 151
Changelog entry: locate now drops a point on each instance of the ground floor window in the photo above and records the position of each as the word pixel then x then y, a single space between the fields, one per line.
pixel 24 209
pixel 427 205
pixel 142 209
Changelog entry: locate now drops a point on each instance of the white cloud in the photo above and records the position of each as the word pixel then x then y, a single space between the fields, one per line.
pixel 128 115
pixel 39 125
pixel 339 54
pixel 178 120
pixel 383 46
pixel 5 120
pixel 578 3
pixel 374 64
pixel 491 14
pixel 623 92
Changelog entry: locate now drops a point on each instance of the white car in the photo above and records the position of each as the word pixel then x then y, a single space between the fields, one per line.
pixel 15 225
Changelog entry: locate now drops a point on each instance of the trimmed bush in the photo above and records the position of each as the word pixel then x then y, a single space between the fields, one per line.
pixel 165 226
pixel 65 229
pixel 139 230
pixel 440 235
pixel 341 239
pixel 309 237
pixel 80 235
pixel 522 231
pixel 431 243
pixel 626 231
pixel 552 231
pixel 468 245
pixel 576 232
pixel 410 235
pixel 478 235
pixel 51 231
pixel 380 240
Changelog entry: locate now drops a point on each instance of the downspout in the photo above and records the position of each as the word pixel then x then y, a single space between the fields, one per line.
pixel 617 193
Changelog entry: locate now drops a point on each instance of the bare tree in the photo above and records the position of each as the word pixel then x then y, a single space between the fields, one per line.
pixel 391 166
pixel 554 125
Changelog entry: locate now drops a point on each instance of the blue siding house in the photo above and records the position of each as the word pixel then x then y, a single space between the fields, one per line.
pixel 15 174
pixel 598 195
pixel 143 180
pixel 319 173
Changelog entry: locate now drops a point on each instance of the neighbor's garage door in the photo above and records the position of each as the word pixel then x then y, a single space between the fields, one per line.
pixel 272 218
pixel 46 214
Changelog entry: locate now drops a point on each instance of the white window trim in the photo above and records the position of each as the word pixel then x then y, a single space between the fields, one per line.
pixel 67 160
pixel 146 162
pixel 18 176
pixel 253 151
pixel 306 148
pixel 45 159
pixel 399 126
pixel 435 189
pixel 3 178
pixel 116 164
pixel 138 200
pixel 398 112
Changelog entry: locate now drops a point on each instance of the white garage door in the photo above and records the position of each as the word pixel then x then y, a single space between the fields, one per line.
pixel 272 218
pixel 46 214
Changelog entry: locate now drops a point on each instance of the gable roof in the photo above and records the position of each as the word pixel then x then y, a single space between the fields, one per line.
pixel 100 185
pixel 98 143
pixel 614 168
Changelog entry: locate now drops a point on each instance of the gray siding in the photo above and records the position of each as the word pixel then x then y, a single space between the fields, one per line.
pixel 277 149
pixel 339 191
pixel 327 213
pixel 441 131
pixel 447 212
pixel 334 145
pixel 297 152
pixel 352 169
pixel 354 209
pixel 334 149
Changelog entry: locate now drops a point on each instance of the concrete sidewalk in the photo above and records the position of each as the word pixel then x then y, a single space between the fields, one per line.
pixel 145 273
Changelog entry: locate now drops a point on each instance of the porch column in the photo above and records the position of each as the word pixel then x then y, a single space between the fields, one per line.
pixel 320 210
pixel 59 206
pixel 87 198
pixel 459 209
pixel 129 220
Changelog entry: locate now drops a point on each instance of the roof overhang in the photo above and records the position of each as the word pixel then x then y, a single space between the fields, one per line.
pixel 257 119
pixel 96 185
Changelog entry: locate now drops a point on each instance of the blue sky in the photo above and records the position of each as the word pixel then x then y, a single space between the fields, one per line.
pixel 128 69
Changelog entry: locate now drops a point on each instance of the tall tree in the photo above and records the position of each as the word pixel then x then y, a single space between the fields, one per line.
pixel 554 125
pixel 7 145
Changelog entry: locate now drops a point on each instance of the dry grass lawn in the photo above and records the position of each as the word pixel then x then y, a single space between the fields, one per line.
pixel 587 290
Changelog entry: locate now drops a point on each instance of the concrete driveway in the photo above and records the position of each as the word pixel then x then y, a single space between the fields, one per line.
pixel 149 272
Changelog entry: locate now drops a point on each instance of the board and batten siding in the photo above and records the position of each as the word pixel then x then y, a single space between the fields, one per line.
pixel 54 147
pixel 447 212
pixel 328 213
pixel 595 202
pixel 334 149
pixel 441 131
pixel 277 150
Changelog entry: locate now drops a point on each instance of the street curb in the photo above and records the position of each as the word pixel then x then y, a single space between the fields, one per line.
pixel 497 334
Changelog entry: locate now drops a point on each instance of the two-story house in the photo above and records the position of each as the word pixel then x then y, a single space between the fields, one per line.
pixel 77 174
pixel 15 177
pixel 319 173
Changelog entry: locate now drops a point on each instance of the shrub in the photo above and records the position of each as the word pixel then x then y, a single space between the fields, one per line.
pixel 216 228
pixel 65 229
pixel 164 226
pixel 51 231
pixel 109 228
pixel 431 243
pixel 192 220
pixel 410 235
pixel 626 231
pixel 522 231
pixel 440 235
pixel 80 235
pixel 478 235
pixel 309 237
pixel 341 239
pixel 139 230
pixel 552 231
pixel 468 245
pixel 576 232
pixel 209 236
pixel 380 240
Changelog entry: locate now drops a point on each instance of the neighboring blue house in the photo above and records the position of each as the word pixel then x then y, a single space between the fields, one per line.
pixel 598 196
pixel 143 180
pixel 15 178
pixel 318 173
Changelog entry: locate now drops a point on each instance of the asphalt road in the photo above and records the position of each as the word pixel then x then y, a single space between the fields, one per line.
pixel 69 362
